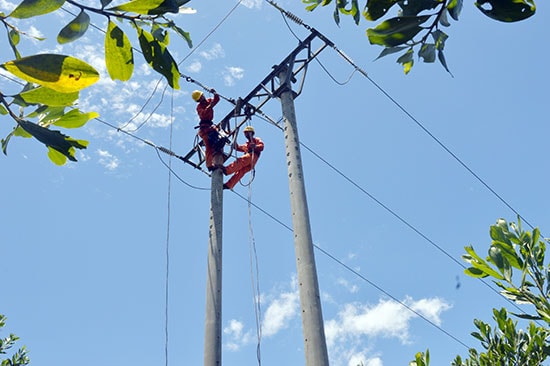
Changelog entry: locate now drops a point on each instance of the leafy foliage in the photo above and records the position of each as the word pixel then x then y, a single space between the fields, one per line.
pixel 20 357
pixel 417 20
pixel 505 345
pixel 516 263
pixel 54 81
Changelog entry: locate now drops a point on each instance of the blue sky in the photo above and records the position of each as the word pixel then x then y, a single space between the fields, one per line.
pixel 84 245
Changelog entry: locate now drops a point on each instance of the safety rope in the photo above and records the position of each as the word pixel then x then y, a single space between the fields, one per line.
pixel 255 277
pixel 167 247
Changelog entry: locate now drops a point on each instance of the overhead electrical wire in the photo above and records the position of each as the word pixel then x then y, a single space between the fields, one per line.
pixel 298 21
pixel 401 219
pixel 324 252
pixel 363 278
pixel 419 124
pixel 149 98
pixel 356 68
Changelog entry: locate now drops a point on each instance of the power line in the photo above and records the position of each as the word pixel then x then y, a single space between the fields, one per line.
pixel 317 247
pixel 404 110
pixel 339 262
pixel 400 218
pixel 158 149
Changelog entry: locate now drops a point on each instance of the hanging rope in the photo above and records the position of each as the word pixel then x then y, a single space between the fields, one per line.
pixel 255 277
pixel 167 249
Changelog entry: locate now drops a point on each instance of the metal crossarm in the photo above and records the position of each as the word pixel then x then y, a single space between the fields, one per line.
pixel 267 89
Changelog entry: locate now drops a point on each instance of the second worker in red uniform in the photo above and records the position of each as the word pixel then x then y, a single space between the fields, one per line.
pixel 245 163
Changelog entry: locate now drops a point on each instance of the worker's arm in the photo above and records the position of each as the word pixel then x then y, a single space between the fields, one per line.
pixel 214 100
pixel 258 145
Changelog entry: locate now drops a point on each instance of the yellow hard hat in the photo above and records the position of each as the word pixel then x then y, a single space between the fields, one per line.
pixel 248 129
pixel 196 95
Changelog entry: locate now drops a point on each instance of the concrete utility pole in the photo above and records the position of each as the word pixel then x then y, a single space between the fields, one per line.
pixel 213 322
pixel 312 318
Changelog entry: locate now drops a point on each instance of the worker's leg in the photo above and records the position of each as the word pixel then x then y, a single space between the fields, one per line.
pixel 208 154
pixel 238 164
pixel 237 176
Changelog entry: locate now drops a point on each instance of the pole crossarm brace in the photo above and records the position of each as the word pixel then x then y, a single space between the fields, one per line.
pixel 267 89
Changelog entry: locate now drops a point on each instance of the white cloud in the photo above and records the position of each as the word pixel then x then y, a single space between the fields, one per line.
pixel 387 319
pixel 195 67
pixel 186 10
pixel 213 53
pixel 431 309
pixel 33 32
pixel 280 312
pixel 231 74
pixel 107 159
pixel 347 285
pixel 8 6
pixel 235 335
pixel 361 358
pixel 251 4
pixel 145 70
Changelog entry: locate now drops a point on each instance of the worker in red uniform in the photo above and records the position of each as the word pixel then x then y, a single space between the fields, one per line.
pixel 208 131
pixel 242 165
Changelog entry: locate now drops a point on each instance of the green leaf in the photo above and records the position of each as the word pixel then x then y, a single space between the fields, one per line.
pixel 396 31
pixel 406 60
pixel 185 35
pixel 353 11
pixel 509 253
pixel 119 56
pixel 56 157
pixel 480 266
pixel 427 52
pixel 390 50
pixel 47 113
pixel 336 14
pixel 500 232
pixel 4 143
pixel 50 97
pixel 14 37
pixel 441 58
pixel 454 8
pixel 32 8
pixel 54 139
pixel 148 7
pixel 507 10
pixel 501 262
pixel 160 34
pixel 439 38
pixel 443 19
pixel 104 3
pixel 3 110
pixel 475 272
pixel 413 8
pixel 470 250
pixel 75 119
pixel 62 73
pixel 377 8
pixel 157 56
pixel 75 29
pixel 19 132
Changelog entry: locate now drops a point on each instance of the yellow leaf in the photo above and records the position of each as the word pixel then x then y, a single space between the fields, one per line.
pixel 61 73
